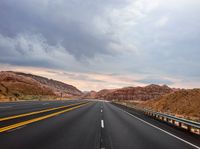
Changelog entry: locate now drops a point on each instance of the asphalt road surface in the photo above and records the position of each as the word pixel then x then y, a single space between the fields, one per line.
pixel 85 125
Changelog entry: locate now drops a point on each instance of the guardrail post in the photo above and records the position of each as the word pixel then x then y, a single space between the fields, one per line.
pixel 189 127
pixel 157 116
pixel 180 124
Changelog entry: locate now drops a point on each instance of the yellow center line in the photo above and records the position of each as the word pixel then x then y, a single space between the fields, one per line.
pixel 13 126
pixel 37 112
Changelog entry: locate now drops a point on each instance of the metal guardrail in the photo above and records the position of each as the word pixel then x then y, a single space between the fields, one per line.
pixel 189 125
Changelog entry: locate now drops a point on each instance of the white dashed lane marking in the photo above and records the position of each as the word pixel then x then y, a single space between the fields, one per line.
pixel 102 124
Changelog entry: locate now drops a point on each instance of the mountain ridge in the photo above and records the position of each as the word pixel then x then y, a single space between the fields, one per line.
pixel 18 85
pixel 131 93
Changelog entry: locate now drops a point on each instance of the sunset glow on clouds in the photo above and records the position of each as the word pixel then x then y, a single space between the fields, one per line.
pixel 103 44
pixel 98 81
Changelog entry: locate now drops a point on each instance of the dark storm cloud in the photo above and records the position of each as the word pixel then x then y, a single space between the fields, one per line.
pixel 146 37
pixel 59 22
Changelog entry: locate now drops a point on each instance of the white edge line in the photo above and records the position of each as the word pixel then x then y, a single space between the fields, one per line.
pixel 102 124
pixel 160 129
pixel 5 107
pixel 16 128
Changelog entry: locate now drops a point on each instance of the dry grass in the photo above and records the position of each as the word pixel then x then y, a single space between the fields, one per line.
pixel 183 103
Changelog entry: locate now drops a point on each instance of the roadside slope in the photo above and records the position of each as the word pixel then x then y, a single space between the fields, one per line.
pixel 15 85
pixel 183 103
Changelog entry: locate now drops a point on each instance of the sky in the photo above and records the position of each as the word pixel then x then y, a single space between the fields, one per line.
pixel 103 43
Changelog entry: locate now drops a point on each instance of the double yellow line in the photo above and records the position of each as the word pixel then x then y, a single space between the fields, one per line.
pixel 13 126
pixel 37 112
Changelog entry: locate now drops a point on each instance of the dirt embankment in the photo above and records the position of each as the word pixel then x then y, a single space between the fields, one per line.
pixel 183 103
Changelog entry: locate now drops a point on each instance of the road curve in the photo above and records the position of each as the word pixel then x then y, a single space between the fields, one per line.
pixel 93 126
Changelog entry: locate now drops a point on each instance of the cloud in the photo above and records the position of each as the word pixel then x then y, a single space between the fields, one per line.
pixel 132 37
pixel 82 80
pixel 162 22
pixel 96 81
pixel 30 50
pixel 68 24
pixel 156 80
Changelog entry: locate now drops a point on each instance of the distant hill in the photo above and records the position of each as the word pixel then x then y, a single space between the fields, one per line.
pixel 132 93
pixel 15 85
pixel 183 103
pixel 89 94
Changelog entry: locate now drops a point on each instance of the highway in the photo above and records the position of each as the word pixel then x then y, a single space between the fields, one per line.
pixel 81 124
